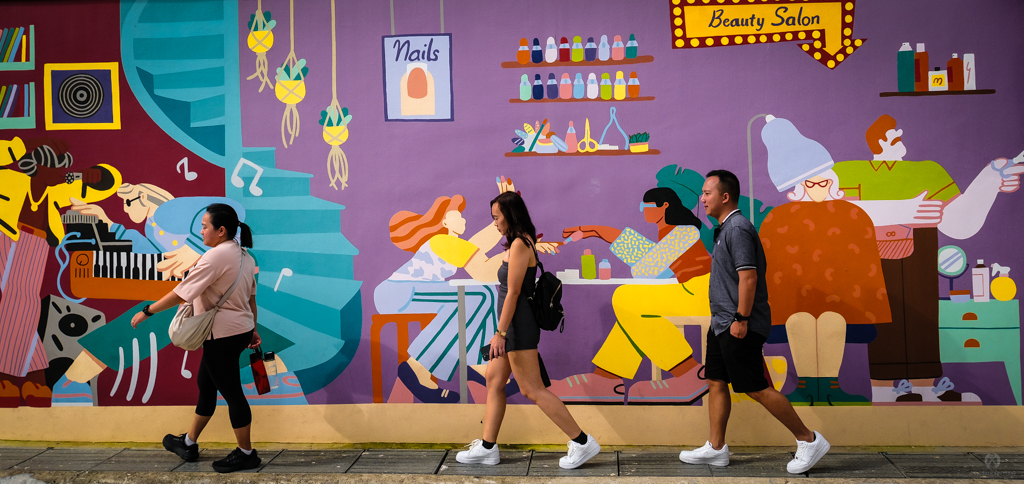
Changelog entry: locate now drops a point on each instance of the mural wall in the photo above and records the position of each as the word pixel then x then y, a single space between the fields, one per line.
pixel 362 141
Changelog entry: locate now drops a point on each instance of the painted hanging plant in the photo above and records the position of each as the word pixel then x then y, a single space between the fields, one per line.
pixel 260 40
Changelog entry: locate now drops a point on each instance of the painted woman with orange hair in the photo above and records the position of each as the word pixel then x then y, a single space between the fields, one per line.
pixel 420 286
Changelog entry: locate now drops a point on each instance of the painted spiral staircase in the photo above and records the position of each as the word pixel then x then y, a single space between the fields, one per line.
pixel 181 61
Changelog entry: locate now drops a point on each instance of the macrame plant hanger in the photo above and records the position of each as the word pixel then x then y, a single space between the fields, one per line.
pixel 291 84
pixel 260 40
pixel 335 120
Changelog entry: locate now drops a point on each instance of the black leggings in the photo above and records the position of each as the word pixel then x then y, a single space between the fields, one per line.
pixel 218 371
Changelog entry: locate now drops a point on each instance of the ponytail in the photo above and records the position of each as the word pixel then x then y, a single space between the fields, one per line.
pixel 245 237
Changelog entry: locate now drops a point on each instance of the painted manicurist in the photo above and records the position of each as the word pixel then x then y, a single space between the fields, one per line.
pixel 513 348
pixel 225 268
pixel 740 325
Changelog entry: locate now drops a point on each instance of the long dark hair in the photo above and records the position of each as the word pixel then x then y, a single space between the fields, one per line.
pixel 223 215
pixel 676 214
pixel 513 208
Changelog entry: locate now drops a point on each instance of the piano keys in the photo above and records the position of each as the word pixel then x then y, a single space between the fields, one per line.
pixel 119 275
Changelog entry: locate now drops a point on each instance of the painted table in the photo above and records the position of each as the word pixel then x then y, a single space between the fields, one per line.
pixel 971 332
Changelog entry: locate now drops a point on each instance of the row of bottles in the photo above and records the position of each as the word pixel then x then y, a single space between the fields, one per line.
pixel 603 271
pixel 577 52
pixel 983 286
pixel 577 89
pixel 913 74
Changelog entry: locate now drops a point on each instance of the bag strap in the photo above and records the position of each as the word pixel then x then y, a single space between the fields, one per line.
pixel 540 265
pixel 231 289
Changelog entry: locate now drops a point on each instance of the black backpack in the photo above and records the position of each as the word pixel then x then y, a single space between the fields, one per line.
pixel 546 301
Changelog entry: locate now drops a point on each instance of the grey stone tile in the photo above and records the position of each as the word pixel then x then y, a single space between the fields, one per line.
pixel 756 465
pixel 953 466
pixel 513 463
pixel 12 456
pixel 658 464
pixel 398 461
pixel 140 460
pixel 313 461
pixel 208 456
pixel 77 459
pixel 854 466
pixel 546 464
pixel 1005 466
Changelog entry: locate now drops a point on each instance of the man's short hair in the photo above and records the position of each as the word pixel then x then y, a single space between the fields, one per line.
pixel 876 132
pixel 727 183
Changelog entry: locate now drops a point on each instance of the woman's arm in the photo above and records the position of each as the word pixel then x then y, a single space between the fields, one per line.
pixel 518 262
pixel 256 340
pixel 168 301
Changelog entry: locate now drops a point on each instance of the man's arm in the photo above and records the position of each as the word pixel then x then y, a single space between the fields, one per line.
pixel 748 283
pixel 965 214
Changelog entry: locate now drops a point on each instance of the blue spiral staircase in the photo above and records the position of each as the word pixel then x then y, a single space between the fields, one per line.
pixel 181 61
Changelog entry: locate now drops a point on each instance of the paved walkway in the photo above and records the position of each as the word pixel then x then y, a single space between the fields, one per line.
pixel 86 463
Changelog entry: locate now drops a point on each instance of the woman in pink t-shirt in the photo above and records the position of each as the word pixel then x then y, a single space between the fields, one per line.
pixel 234 330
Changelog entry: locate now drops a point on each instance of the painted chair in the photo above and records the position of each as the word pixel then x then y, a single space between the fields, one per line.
pixel 378 321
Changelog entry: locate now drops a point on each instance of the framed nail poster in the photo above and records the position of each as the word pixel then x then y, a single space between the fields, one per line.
pixel 418 77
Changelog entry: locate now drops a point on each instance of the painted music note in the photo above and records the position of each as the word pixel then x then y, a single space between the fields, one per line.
pixel 237 180
pixel 284 273
pixel 189 175
pixel 185 373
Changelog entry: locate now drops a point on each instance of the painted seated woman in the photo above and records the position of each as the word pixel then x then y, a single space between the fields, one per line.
pixel 824 271
pixel 420 286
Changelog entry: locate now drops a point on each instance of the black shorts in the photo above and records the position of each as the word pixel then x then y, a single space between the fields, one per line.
pixel 737 361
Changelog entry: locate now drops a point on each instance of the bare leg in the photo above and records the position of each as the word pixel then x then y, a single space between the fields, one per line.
pixel 198 424
pixel 526 368
pixel 719 408
pixel 498 370
pixel 778 405
pixel 242 437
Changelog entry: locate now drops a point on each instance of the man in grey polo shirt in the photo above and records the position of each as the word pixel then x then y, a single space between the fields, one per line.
pixel 740 324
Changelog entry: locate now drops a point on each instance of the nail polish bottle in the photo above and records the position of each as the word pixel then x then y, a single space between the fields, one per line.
pixel 565 87
pixel 523 54
pixel 579 89
pixel 590 51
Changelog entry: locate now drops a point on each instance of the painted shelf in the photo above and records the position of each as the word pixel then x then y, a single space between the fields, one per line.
pixel 560 100
pixel 936 93
pixel 640 59
pixel 25 122
pixel 30 52
pixel 593 153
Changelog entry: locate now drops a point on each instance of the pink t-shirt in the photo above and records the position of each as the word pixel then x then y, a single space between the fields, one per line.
pixel 211 277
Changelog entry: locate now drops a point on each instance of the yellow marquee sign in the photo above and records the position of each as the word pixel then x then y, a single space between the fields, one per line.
pixel 825 26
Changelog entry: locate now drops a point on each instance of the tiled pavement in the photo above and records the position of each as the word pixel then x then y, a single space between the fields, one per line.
pixel 843 463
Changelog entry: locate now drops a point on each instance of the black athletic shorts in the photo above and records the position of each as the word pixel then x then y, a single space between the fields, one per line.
pixel 737 361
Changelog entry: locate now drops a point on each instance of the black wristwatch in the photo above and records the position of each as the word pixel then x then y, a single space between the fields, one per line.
pixel 145 310
pixel 737 317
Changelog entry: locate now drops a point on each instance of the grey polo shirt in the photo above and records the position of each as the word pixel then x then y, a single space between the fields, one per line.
pixel 738 248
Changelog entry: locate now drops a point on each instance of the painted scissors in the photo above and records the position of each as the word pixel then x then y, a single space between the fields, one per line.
pixel 1009 164
pixel 585 145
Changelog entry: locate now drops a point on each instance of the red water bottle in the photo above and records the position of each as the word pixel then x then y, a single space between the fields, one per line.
pixel 259 372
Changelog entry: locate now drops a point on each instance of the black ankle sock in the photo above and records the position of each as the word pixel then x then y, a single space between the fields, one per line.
pixel 581 438
pixel 487 445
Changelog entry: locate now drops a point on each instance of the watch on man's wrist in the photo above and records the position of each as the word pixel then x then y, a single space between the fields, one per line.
pixel 145 310
pixel 740 318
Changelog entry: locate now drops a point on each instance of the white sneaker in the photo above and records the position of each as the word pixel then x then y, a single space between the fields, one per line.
pixel 808 454
pixel 579 454
pixel 477 454
pixel 706 455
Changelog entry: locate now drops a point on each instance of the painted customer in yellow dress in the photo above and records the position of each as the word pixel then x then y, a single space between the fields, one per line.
pixel 641 328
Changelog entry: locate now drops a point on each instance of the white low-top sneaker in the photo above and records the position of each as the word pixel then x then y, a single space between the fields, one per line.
pixel 808 454
pixel 579 454
pixel 706 455
pixel 477 454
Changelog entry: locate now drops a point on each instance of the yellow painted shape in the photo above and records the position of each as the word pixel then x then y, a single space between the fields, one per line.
pixel 335 135
pixel 260 41
pixel 115 94
pixel 14 147
pixel 1003 288
pixel 290 92
pixel 776 370
pixel 717 20
pixel 59 196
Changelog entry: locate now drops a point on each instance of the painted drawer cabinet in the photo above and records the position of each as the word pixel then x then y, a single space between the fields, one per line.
pixel 971 332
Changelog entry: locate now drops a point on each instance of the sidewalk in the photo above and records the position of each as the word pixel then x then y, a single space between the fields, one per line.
pixel 94 463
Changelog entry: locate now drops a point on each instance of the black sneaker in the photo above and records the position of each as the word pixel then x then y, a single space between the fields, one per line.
pixel 176 444
pixel 237 461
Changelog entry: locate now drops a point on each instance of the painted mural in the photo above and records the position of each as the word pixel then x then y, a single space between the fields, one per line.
pixel 881 173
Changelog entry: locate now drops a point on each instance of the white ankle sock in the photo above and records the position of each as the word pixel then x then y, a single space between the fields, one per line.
pixel 246 452
pixel 188 441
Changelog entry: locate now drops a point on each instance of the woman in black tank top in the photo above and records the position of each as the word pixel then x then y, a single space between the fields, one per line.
pixel 513 348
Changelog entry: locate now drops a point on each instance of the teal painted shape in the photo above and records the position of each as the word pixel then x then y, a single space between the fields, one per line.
pixel 318 377
pixel 293 215
pixel 158 11
pixel 207 77
pixel 311 348
pixel 182 48
pixel 326 255
pixel 105 342
pixel 261 156
pixel 314 300
pixel 271 341
pixel 997 330
pixel 206 109
pixel 274 182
